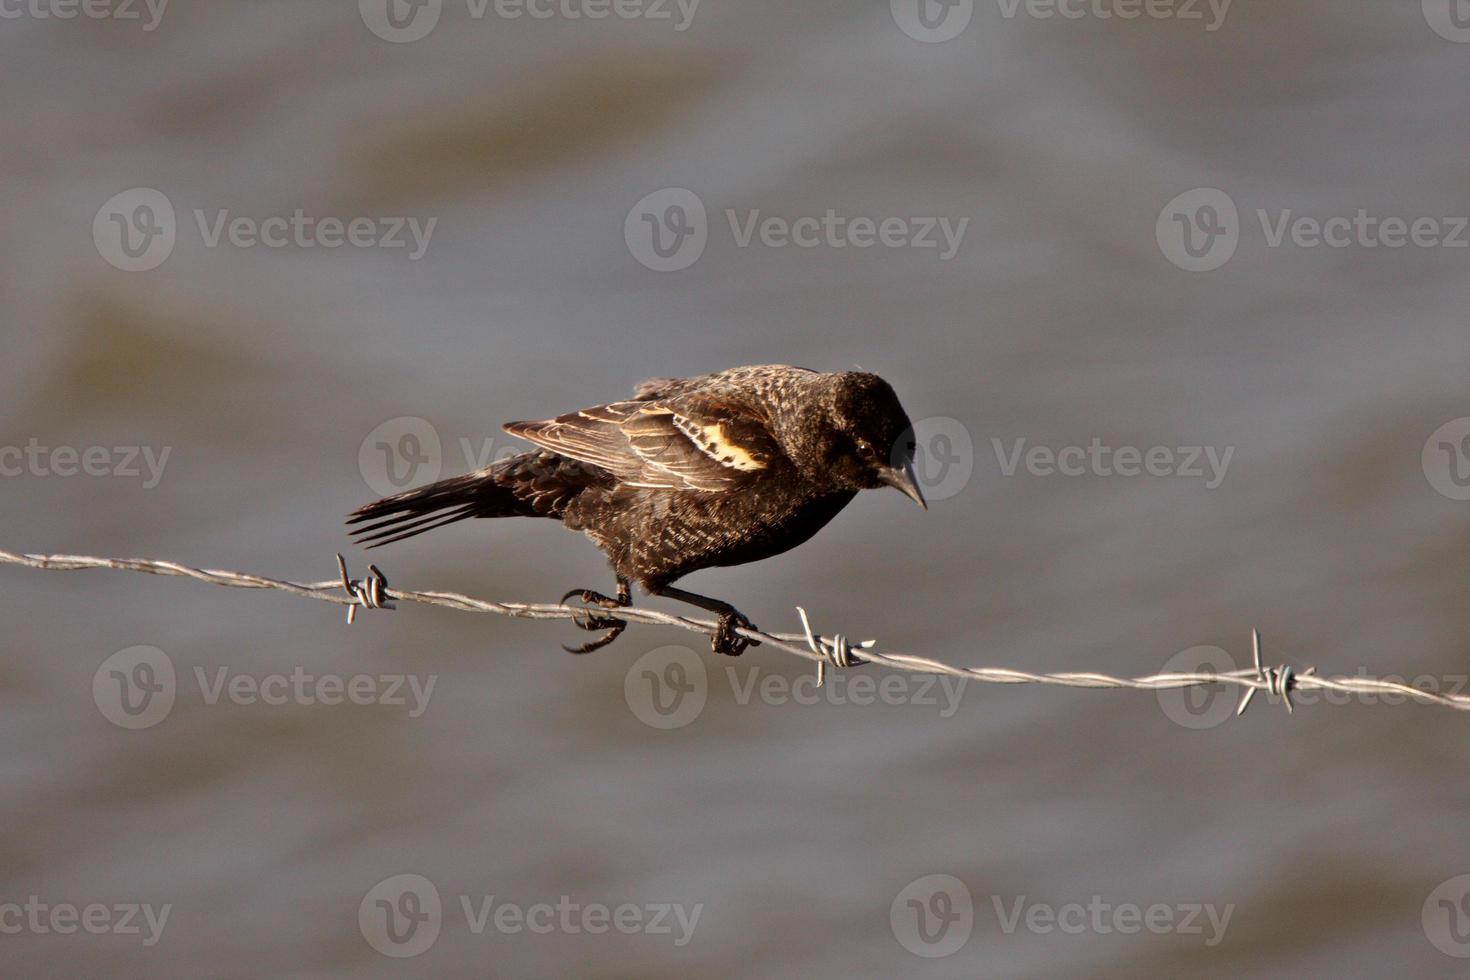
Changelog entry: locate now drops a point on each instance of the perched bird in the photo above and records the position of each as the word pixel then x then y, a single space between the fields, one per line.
pixel 690 473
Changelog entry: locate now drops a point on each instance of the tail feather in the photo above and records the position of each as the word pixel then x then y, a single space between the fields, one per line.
pixel 407 525
pixel 533 484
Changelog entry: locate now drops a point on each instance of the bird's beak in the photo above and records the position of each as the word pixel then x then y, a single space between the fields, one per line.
pixel 902 478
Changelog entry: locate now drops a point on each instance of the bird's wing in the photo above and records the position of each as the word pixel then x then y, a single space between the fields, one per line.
pixel 688 442
pixel 653 388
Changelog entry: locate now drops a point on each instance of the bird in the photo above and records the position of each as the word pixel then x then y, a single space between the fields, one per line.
pixel 690 473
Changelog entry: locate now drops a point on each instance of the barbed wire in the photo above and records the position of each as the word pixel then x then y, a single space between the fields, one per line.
pixel 835 651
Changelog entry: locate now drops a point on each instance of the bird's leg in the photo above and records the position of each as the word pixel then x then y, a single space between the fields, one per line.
pixel 725 639
pixel 612 624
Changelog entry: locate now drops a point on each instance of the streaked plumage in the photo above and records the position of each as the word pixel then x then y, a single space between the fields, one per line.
pixel 692 473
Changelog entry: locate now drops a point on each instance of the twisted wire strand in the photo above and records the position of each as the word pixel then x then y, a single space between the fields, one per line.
pixel 825 651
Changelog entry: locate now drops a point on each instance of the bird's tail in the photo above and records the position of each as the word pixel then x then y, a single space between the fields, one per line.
pixel 500 490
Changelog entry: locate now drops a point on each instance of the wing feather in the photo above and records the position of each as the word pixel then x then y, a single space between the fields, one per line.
pixel 687 442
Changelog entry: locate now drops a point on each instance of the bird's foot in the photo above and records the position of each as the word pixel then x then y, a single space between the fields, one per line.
pixel 725 640
pixel 592 622
pixel 597 599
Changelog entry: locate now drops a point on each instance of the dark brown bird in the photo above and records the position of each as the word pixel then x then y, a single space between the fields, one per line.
pixel 690 473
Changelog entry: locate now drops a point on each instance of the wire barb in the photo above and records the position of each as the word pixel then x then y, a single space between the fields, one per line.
pixel 369 594
pixel 836 651
pixel 1277 681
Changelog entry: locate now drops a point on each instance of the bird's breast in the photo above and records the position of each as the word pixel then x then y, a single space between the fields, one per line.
pixel 658 536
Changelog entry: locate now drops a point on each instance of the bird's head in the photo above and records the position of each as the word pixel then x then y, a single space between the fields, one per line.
pixel 860 438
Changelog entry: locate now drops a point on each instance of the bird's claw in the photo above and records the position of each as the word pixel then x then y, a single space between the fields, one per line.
pixel 594 598
pixel 614 629
pixel 592 622
pixel 725 640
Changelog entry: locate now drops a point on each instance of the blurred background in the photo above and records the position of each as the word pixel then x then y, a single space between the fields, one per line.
pixel 1089 297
